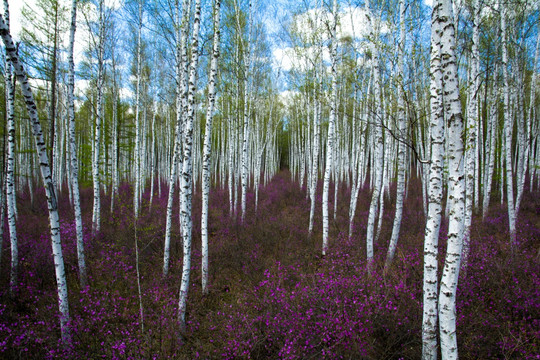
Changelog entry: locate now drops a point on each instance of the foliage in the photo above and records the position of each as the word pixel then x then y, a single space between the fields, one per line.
pixel 271 294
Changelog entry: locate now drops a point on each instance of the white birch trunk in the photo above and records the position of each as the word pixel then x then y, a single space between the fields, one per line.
pixel 314 162
pixel 96 217
pixel 153 156
pixel 492 137
pixel 435 194
pixel 181 37
pixel 400 192
pixel 331 125
pixel 246 131
pixel 187 173
pixel 472 121
pixel 232 140
pixel 138 145
pixel 377 164
pixel 114 145
pixel 507 129
pixel 74 181
pixel 208 148
pixel 10 177
pixel 456 185
pixel 47 180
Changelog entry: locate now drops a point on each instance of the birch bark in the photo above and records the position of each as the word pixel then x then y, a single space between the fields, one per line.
pixel 73 148
pixel 435 194
pixel 315 159
pixel 456 185
pixel 187 172
pixel 96 217
pixel 377 168
pixel 331 126
pixel 472 121
pixel 490 165
pixel 10 177
pixel 244 164
pixel 507 129
pixel 115 152
pixel 208 147
pixel 400 192
pixel 138 153
pixel 181 36
pixel 46 177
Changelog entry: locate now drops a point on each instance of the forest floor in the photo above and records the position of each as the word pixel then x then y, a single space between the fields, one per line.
pixel 272 296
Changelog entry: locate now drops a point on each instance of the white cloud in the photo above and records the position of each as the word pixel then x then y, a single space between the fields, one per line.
pixel 81 86
pixel 287 96
pixel 15 15
pixel 126 94
pixel 300 58
pixel 285 58
pixel 352 23
pixel 311 26
pixel 115 4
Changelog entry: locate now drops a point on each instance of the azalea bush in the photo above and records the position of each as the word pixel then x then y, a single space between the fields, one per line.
pixel 271 295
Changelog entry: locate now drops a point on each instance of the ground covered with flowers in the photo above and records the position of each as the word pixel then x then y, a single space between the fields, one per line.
pixel 272 296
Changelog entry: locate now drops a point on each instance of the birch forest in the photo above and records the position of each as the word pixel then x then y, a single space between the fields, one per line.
pixel 251 179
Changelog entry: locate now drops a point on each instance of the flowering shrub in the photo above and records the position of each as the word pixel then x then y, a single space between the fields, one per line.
pixel 271 294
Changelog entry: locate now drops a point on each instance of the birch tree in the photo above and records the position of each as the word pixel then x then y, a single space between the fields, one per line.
pixel 138 154
pixel 10 177
pixel 181 39
pixel 208 147
pixel 435 194
pixel 472 120
pixel 492 139
pixel 50 194
pixel 456 183
pixel 331 127
pixel 507 128
pixel 187 171
pixel 74 180
pixel 400 192
pixel 377 165
pixel 246 130
pixel 96 212
pixel 114 135
pixel 317 89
